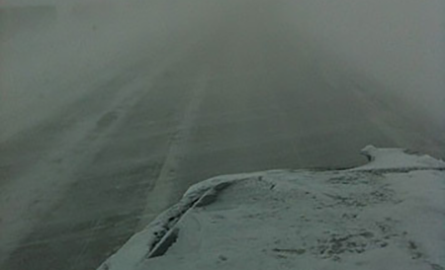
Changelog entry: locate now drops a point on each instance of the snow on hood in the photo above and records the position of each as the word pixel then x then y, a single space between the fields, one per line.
pixel 386 214
pixel 394 158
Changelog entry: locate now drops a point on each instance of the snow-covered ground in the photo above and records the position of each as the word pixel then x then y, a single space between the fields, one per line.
pixel 43 69
pixel 108 115
pixel 388 214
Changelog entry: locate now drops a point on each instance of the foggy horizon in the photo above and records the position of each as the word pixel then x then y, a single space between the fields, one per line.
pixel 110 110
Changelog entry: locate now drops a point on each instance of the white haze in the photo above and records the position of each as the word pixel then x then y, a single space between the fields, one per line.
pixel 48 65
pixel 398 43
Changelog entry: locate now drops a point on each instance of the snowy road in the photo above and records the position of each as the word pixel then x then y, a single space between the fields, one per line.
pixel 237 95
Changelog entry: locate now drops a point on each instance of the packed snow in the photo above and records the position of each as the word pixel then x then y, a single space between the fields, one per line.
pixel 386 214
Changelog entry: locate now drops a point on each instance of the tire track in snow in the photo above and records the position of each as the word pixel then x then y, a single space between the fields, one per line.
pixel 159 198
pixel 30 196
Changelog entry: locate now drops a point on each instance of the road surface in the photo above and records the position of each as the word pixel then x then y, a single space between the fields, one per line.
pixel 244 92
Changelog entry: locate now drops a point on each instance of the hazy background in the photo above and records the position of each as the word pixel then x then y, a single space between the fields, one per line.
pixel 398 43
pixel 111 109
pixel 51 53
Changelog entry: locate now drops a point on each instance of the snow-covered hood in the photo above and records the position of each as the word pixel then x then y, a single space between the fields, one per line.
pixel 388 214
